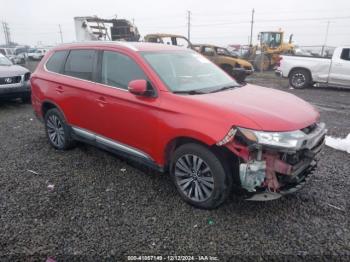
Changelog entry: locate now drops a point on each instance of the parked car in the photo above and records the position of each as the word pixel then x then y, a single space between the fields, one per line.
pixel 36 54
pixel 14 80
pixel 168 39
pixel 234 66
pixel 174 110
pixel 21 54
pixel 304 71
pixel 9 53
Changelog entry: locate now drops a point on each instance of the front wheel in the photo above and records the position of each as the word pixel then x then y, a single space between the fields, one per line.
pixel 200 176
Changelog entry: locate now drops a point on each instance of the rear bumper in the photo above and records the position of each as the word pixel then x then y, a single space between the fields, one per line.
pixel 15 90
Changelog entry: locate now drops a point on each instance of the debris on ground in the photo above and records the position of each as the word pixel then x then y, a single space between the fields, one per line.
pixel 123 169
pixel 342 144
pixel 210 222
pixel 50 187
pixel 335 207
pixel 32 171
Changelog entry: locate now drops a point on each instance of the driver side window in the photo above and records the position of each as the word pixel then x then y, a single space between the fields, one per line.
pixel 118 70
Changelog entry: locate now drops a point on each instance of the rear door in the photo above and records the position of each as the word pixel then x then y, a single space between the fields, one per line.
pixel 77 87
pixel 340 69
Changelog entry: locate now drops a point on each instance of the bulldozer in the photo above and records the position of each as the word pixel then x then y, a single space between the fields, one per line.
pixel 265 55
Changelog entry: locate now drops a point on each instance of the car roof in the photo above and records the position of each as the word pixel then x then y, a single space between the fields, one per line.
pixel 134 46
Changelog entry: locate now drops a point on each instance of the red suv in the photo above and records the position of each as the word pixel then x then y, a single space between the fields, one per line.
pixel 176 111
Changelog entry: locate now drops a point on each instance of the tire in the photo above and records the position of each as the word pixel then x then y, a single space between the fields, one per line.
pixel 201 177
pixel 26 99
pixel 57 131
pixel 300 78
pixel 262 63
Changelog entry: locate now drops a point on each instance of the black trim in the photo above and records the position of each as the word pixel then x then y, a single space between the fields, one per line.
pixel 123 154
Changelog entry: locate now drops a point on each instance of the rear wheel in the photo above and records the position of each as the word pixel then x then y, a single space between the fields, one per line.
pixel 299 78
pixel 57 131
pixel 200 176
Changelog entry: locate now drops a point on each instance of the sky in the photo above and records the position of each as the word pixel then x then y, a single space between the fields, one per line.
pixel 221 22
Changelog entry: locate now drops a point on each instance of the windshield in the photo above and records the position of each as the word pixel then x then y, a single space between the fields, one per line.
pixel 4 61
pixel 184 71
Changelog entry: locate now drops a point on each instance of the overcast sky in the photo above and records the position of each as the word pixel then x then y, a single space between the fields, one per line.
pixel 213 21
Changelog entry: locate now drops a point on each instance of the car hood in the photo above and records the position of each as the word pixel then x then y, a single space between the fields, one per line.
pixel 269 109
pixel 12 70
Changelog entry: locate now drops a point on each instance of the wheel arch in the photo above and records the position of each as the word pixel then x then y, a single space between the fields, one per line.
pixel 172 145
pixel 47 105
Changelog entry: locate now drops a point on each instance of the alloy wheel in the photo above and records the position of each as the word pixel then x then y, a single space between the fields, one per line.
pixel 55 130
pixel 298 80
pixel 194 177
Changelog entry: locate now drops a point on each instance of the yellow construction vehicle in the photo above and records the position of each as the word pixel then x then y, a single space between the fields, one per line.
pixel 265 55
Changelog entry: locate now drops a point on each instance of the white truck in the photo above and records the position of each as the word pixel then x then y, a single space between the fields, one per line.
pixel 305 71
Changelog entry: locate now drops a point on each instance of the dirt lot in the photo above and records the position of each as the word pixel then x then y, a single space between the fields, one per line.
pixel 86 203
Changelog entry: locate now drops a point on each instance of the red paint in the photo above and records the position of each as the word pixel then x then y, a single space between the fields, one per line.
pixel 151 123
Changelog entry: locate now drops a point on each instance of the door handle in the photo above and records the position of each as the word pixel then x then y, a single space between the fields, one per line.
pixel 59 89
pixel 101 101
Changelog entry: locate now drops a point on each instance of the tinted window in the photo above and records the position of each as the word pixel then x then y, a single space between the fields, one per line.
pixel 118 70
pixel 56 61
pixel 80 64
pixel 345 54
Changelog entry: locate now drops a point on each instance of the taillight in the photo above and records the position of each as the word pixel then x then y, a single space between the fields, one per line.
pixel 279 59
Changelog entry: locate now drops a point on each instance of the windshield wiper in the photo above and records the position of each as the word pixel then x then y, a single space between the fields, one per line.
pixel 190 92
pixel 224 88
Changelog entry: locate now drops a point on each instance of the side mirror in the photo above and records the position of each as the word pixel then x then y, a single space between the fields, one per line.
pixel 138 87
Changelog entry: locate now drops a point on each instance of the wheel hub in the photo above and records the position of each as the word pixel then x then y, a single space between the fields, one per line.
pixel 194 177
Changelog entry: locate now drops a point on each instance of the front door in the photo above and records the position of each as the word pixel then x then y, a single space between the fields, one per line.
pixel 125 118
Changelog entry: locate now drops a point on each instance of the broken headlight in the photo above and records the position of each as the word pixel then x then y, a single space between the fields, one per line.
pixel 291 139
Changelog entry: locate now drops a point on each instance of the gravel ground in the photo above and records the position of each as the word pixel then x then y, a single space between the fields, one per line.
pixel 90 205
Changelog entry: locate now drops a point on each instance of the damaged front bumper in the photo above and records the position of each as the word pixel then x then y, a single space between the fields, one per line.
pixel 269 172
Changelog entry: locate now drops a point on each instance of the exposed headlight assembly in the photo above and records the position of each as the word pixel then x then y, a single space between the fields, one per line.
pixel 292 139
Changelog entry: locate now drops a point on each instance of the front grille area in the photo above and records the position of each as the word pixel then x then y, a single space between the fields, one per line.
pixel 247 68
pixel 10 80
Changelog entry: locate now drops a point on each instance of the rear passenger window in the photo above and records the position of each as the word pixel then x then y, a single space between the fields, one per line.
pixel 56 61
pixel 80 64
pixel 345 54
pixel 118 70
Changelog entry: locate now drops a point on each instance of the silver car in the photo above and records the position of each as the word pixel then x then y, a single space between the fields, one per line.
pixel 14 80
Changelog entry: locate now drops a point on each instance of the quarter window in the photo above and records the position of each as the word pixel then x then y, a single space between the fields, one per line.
pixel 80 64
pixel 345 54
pixel 56 61
pixel 118 70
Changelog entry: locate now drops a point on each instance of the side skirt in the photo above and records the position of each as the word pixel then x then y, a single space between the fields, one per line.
pixel 114 147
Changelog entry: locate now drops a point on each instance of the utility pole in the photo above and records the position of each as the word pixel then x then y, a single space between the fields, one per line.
pixel 6 33
pixel 251 28
pixel 59 26
pixel 325 39
pixel 188 25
